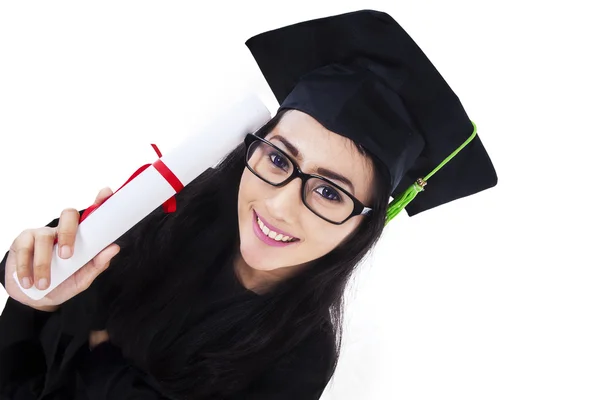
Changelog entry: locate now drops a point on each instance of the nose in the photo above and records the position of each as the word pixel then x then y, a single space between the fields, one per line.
pixel 286 201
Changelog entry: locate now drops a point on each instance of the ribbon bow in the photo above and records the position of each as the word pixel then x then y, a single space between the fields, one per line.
pixel 169 206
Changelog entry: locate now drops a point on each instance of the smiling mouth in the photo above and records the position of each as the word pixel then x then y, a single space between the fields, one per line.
pixel 262 227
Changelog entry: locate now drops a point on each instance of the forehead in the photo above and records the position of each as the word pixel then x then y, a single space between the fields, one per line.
pixel 320 147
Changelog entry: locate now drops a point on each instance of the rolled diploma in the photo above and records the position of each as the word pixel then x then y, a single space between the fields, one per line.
pixel 143 194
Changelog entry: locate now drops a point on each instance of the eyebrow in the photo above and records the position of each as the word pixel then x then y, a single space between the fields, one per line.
pixel 321 171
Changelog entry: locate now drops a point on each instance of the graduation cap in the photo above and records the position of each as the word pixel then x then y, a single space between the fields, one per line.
pixel 361 76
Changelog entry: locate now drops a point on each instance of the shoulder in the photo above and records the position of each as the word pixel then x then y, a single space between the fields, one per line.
pixel 320 345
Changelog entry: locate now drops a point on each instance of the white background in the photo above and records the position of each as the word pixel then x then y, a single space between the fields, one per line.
pixel 494 296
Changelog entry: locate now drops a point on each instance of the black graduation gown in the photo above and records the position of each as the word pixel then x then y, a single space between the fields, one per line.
pixel 46 356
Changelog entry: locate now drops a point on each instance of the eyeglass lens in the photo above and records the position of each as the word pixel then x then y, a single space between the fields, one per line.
pixel 320 196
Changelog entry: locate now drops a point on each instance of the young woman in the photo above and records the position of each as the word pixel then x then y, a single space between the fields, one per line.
pixel 238 294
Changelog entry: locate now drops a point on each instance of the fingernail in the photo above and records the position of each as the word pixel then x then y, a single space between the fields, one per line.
pixel 65 251
pixel 26 282
pixel 42 284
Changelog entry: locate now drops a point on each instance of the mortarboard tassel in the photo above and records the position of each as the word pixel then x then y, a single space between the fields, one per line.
pixel 399 203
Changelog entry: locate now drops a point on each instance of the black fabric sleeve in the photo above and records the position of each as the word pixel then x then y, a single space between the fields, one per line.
pixel 21 354
pixel 302 374
pixel 106 375
pixel 23 357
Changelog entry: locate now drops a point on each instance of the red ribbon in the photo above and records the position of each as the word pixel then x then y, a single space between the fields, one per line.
pixel 169 206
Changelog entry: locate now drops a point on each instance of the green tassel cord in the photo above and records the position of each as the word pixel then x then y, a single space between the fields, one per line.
pixel 399 203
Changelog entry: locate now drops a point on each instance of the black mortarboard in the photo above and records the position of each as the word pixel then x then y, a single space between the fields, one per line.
pixel 361 76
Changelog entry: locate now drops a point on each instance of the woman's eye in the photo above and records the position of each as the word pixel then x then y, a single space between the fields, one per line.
pixel 278 160
pixel 329 193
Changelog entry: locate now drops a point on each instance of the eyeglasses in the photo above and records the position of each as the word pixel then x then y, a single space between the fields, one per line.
pixel 323 197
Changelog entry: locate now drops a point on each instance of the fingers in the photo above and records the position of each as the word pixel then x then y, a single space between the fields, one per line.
pixel 103 195
pixel 69 222
pixel 103 258
pixel 67 229
pixel 42 256
pixel 32 249
pixel 90 272
pixel 23 248
pixel 97 337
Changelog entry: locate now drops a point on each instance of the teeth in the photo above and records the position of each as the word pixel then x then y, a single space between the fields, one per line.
pixel 272 234
pixel 265 230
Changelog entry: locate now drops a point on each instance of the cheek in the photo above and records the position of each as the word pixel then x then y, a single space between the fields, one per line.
pixel 244 182
pixel 324 239
pixel 248 187
pixel 244 197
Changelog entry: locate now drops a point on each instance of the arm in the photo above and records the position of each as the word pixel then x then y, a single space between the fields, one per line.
pixel 21 353
pixel 25 322
pixel 106 375
pixel 302 374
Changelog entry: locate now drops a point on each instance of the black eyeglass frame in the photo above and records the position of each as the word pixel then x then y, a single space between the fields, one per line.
pixel 359 208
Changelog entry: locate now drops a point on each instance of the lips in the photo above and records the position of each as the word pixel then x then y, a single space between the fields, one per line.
pixel 272 228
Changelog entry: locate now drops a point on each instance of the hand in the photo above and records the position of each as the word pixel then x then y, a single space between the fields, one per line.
pixel 31 253
pixel 97 337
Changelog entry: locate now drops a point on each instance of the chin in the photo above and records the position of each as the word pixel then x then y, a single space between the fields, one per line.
pixel 258 257
pixel 256 261
pixel 251 253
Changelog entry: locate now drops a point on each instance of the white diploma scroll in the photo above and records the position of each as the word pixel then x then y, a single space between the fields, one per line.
pixel 144 193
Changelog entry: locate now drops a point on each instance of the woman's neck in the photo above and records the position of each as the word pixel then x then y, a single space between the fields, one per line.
pixel 250 278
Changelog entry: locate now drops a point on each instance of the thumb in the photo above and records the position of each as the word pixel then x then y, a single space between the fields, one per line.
pixel 103 258
pixel 90 272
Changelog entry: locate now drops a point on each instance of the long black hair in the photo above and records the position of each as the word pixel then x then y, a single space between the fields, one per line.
pixel 166 264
